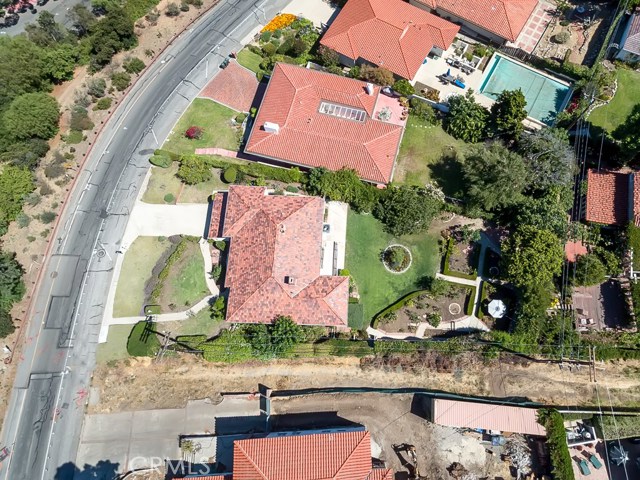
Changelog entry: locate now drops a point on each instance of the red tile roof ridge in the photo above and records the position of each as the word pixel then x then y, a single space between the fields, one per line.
pixel 247 457
pixel 365 438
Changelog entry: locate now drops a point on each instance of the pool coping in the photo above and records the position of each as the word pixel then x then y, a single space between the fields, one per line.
pixel 489 68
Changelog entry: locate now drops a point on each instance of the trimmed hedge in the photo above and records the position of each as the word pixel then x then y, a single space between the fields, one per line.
pixel 142 341
pixel 633 242
pixel 162 161
pixel 164 273
pixel 469 305
pixel 446 270
pixel 230 174
pixel 553 421
pixel 229 346
pixel 396 306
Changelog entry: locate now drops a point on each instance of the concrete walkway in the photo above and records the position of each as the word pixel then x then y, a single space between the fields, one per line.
pixel 223 152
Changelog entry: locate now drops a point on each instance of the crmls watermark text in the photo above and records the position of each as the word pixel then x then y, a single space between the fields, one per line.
pixel 199 466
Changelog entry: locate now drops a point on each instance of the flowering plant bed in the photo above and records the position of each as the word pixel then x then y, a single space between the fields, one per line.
pixel 279 22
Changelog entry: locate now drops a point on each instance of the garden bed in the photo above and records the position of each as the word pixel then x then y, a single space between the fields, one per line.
pixel 461 254
pixel 423 307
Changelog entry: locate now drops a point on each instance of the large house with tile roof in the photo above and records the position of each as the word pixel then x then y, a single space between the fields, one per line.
pixel 311 118
pixel 613 198
pixel 630 41
pixel 274 258
pixel 388 33
pixel 497 21
pixel 305 456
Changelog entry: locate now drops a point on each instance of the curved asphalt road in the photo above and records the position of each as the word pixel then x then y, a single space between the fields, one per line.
pixel 43 422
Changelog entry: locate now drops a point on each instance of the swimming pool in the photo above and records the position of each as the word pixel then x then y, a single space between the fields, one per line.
pixel 545 96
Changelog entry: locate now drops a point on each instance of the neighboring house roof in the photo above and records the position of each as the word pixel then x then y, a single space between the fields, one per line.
pixel 487 416
pixel 309 138
pixel 608 196
pixel 325 456
pixel 632 42
pixel 388 33
pixel 274 258
pixel 505 18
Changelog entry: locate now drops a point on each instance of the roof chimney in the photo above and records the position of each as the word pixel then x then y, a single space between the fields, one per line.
pixel 270 127
pixel 369 88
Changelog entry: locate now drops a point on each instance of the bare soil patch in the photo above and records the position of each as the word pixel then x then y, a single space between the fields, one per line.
pixel 186 377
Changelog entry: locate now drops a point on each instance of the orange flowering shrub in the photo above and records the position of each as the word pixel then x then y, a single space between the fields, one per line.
pixel 278 22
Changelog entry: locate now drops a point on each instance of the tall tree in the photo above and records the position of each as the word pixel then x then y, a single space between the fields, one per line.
pixel 377 75
pixel 46 31
pixel 32 115
pixel 507 114
pixel 113 34
pixel 548 156
pixel 15 183
pixel 406 209
pixel 60 62
pixel 467 119
pixel 532 256
pixel 627 134
pixel 494 176
pixel 550 211
pixel 21 69
pixel 82 20
pixel 11 284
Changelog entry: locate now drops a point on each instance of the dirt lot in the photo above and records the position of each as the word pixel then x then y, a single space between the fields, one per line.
pixel 175 380
pixel 395 420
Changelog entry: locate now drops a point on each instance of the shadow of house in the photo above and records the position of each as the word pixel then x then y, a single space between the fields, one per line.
pixel 103 470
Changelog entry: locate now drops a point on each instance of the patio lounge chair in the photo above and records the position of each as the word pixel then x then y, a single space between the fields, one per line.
pixel 595 462
pixel 459 83
pixel 584 468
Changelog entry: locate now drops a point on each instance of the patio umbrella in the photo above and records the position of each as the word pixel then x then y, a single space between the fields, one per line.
pixel 497 308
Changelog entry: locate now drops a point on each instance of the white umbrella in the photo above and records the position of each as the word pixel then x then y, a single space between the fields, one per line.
pixel 497 308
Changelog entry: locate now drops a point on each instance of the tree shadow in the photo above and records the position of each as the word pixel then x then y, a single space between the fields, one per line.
pixel 447 172
pixel 103 470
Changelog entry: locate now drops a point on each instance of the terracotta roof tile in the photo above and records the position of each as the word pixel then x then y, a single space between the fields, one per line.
pixel 636 199
pixel 607 197
pixel 275 238
pixel 505 18
pixel 326 456
pixel 313 139
pixel 389 33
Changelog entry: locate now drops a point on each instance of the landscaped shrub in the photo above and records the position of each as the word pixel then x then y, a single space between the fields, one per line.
pixel 23 220
pixel 143 342
pixel 169 198
pixel 240 118
pixel 54 170
pixel 173 10
pixel 265 36
pixel 268 50
pixel 423 110
pixel 194 169
pixel 404 88
pixel 220 245
pixel 133 65
pixel 121 80
pixel 80 119
pixel 194 133
pixel 96 87
pixel 47 217
pixel 557 442
pixel 162 161
pixel 230 174
pixel 184 7
pixel 562 37
pixel 291 189
pixel 74 137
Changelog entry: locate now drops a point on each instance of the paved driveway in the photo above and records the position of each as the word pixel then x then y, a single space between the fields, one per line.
pixel 166 220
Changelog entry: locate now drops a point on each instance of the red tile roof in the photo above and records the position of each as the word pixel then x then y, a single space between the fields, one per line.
pixel 312 139
pixel 326 456
pixel 388 33
pixel 235 87
pixel 505 18
pixel 608 197
pixel 632 42
pixel 275 238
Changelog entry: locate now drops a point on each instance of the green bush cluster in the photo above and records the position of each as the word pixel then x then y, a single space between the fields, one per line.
pixel 162 161
pixel 230 174
pixel 191 342
pixel 557 441
pixel 142 341
pixel 619 426
pixel 220 245
pixel 396 306
pixel 469 301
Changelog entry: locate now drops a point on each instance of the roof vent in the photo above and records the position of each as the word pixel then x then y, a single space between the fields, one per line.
pixel 290 280
pixel 270 127
pixel 283 228
pixel 369 88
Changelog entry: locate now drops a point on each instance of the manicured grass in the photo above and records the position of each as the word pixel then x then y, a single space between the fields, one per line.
pixel 186 285
pixel 139 261
pixel 618 109
pixel 164 180
pixel 422 150
pixel 200 324
pixel 116 346
pixel 213 118
pixel 249 60
pixel 379 288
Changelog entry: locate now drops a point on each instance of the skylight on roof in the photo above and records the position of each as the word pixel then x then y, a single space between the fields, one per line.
pixel 341 111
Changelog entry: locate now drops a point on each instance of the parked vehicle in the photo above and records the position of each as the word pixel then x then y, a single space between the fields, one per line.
pixel 224 63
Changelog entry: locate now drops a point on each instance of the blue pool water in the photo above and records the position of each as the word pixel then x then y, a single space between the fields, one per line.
pixel 545 96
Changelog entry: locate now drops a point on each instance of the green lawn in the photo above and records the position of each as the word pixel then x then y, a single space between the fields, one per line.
pixel 422 151
pixel 200 324
pixel 139 261
pixel 249 60
pixel 186 285
pixel 116 346
pixel 379 288
pixel 618 109
pixel 164 180
pixel 213 118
